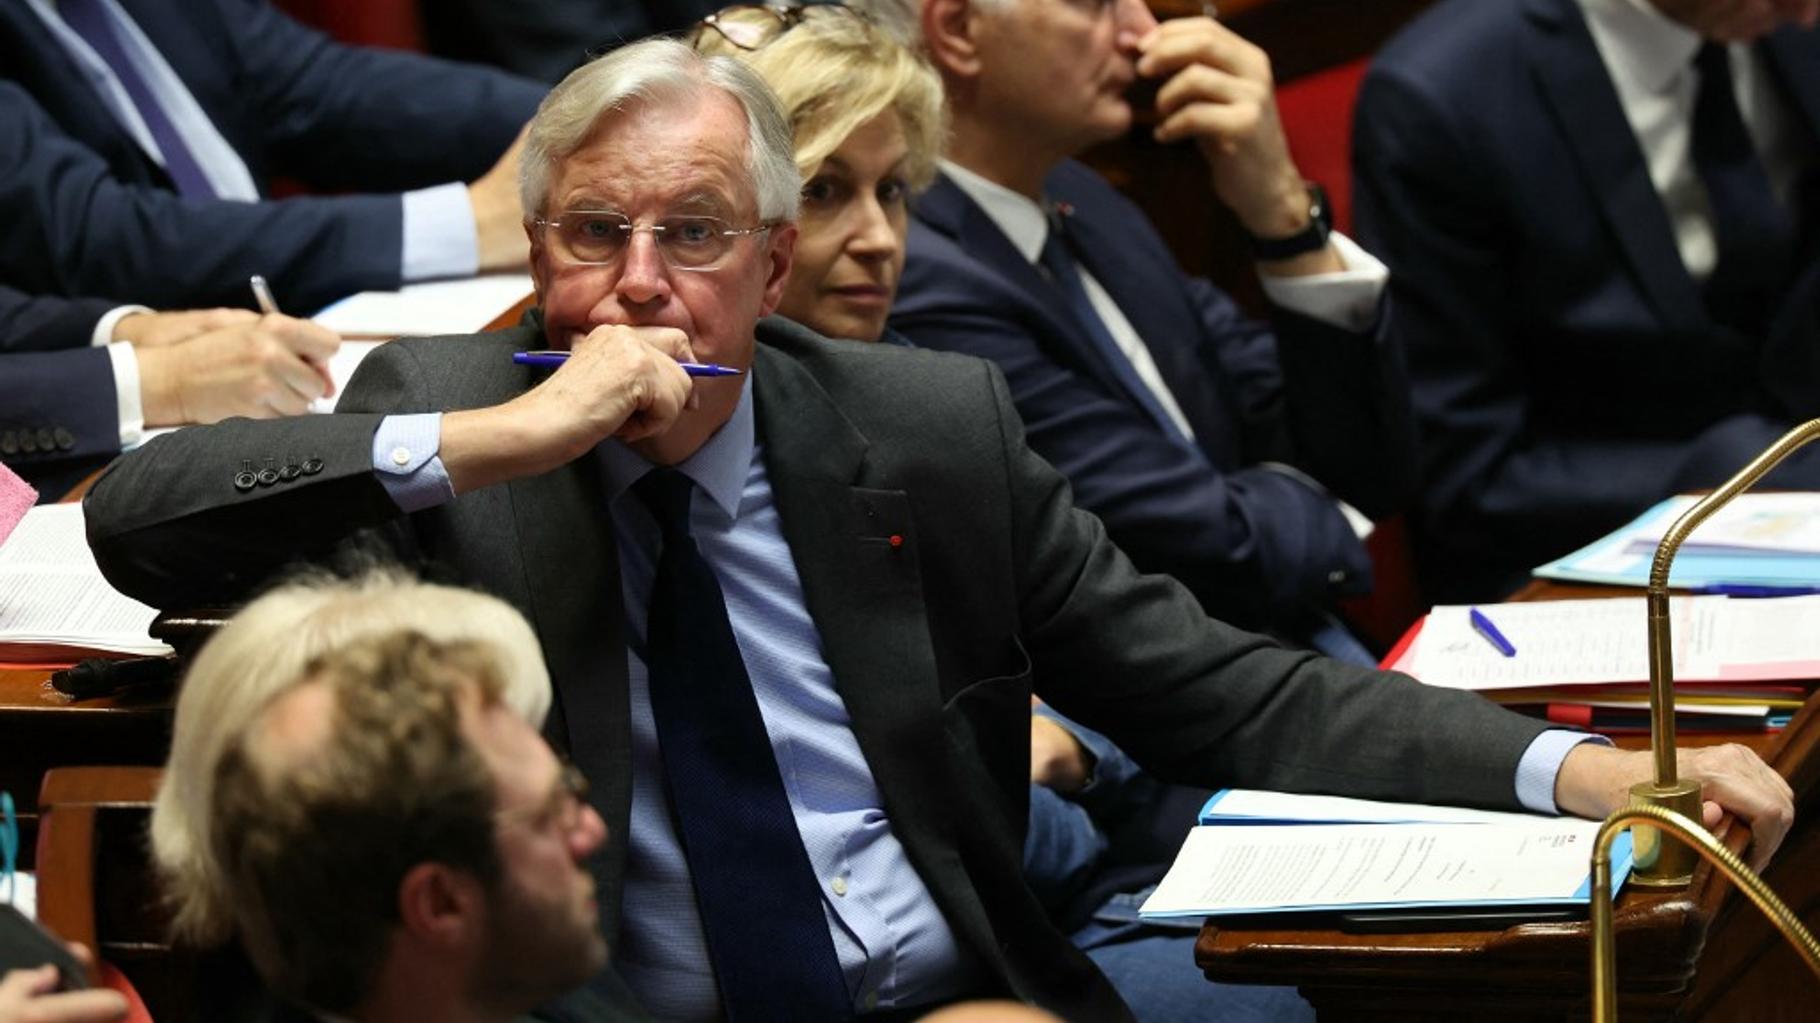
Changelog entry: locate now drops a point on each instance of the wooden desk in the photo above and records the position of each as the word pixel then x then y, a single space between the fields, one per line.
pixel 1702 953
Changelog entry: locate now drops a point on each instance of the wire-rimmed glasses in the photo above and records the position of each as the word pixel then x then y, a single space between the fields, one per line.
pixel 753 26
pixel 601 237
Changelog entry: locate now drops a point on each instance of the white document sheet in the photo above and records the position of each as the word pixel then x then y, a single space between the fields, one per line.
pixel 52 594
pixel 439 307
pixel 1589 642
pixel 1240 805
pixel 1779 523
pixel 1235 868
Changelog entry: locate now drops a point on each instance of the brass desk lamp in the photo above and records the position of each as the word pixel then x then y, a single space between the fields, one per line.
pixel 1668 803
pixel 1662 864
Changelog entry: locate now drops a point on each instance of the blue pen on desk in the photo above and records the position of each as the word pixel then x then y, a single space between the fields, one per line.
pixel 557 358
pixel 1747 590
pixel 1483 626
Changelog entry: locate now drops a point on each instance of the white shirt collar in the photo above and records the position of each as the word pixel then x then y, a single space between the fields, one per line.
pixel 1643 48
pixel 719 467
pixel 1020 218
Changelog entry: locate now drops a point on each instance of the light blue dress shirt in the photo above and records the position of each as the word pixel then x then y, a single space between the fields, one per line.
pixel 894 945
pixel 439 232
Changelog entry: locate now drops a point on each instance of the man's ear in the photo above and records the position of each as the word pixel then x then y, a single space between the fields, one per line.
pixel 948 35
pixel 441 905
pixel 780 253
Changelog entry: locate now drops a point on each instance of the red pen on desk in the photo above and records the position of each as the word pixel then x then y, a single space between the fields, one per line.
pixel 553 357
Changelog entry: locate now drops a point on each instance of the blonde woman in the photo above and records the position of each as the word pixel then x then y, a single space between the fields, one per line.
pixel 866 115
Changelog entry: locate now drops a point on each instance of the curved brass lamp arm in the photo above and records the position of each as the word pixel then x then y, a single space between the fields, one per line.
pixel 1661 652
pixel 1604 942
pixel 1660 864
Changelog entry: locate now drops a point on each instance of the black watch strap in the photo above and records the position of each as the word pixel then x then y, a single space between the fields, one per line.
pixel 1309 239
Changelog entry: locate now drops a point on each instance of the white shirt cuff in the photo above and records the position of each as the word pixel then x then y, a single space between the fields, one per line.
pixel 1541 763
pixel 440 239
pixel 405 455
pixel 104 327
pixel 129 405
pixel 1347 299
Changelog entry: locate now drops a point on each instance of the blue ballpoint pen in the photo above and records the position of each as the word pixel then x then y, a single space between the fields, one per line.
pixel 1483 626
pixel 1748 590
pixel 557 358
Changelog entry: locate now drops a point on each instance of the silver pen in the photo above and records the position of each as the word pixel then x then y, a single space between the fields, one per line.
pixel 262 294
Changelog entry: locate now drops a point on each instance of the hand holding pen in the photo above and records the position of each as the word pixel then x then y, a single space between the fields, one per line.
pixel 268 306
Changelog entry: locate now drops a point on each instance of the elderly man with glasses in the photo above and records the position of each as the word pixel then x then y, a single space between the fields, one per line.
pixel 794 618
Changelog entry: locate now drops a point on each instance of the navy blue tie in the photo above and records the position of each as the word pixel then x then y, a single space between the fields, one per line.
pixel 760 903
pixel 90 20
pixel 1755 233
pixel 1057 258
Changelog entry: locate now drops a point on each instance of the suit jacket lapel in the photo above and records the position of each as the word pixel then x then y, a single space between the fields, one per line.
pixel 855 550
pixel 1795 59
pixel 571 565
pixel 1579 91
pixel 1149 293
pixel 949 210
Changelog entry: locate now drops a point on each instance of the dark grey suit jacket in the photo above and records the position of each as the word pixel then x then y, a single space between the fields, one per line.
pixel 934 644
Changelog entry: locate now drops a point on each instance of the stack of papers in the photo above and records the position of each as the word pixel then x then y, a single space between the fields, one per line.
pixel 55 608
pixel 427 310
pixel 1272 852
pixel 1739 664
pixel 1757 540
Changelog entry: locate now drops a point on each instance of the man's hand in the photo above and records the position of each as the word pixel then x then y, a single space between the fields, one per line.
pixel 28 996
pixel 274 366
pixel 618 382
pixel 1057 759
pixel 1220 93
pixel 499 230
pixel 1595 780
pixel 154 330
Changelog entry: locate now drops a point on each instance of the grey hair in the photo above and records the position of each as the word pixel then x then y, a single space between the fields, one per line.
pixel 660 71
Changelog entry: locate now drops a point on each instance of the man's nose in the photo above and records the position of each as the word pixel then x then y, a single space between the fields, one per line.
pixel 589 835
pixel 1134 20
pixel 644 277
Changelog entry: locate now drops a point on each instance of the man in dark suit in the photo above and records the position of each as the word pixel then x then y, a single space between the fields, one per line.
pixel 158 127
pixel 1215 448
pixel 1590 326
pixel 81 378
pixel 803 700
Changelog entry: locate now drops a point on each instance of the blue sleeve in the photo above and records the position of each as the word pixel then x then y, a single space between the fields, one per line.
pixel 56 406
pixel 35 323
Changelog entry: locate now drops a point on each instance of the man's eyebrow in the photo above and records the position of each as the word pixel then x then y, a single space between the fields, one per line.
pixel 590 201
pixel 702 202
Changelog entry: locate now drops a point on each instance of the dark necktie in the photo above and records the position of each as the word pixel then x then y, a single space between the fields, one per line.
pixel 90 20
pixel 1755 234
pixel 760 903
pixel 1057 258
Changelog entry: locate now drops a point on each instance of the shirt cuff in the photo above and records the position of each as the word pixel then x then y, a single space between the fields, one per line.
pixel 1347 299
pixel 406 459
pixel 1540 764
pixel 104 327
pixel 129 404
pixel 440 239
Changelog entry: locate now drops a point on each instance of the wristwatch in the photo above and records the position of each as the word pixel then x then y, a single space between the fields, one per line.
pixel 1309 239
